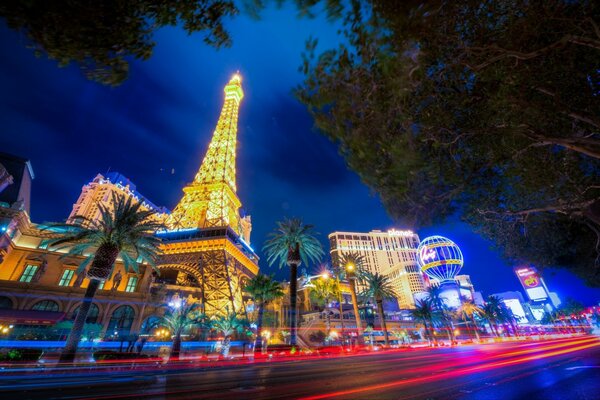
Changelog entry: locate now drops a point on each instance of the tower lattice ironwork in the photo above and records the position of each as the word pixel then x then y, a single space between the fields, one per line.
pixel 211 199
pixel 206 237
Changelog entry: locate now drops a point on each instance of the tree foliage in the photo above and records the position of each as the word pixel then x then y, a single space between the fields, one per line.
pixel 124 229
pixel 486 109
pixel 293 242
pixel 102 37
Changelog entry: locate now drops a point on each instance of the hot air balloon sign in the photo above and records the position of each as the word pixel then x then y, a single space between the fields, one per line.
pixel 439 258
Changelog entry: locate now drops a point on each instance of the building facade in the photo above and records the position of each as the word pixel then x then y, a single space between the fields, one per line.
pixel 391 253
pixel 101 189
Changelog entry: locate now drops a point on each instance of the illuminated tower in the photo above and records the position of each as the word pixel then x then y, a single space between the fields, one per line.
pixel 211 199
pixel 206 251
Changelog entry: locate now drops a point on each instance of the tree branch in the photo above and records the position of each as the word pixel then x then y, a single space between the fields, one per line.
pixel 505 53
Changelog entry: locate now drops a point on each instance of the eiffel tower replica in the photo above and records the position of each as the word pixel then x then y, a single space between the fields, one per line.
pixel 207 245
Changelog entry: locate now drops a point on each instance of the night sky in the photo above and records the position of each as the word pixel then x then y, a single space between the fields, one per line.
pixel 155 128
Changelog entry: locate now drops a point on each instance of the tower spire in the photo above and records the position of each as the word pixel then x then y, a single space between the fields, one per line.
pixel 211 199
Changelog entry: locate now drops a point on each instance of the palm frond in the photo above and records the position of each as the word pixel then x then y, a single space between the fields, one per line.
pixel 377 286
pixel 289 236
pixel 122 225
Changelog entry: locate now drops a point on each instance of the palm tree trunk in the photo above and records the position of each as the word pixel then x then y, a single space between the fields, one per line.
pixel 293 302
pixel 70 350
pixel 328 325
pixel 341 316
pixel 176 347
pixel 448 323
pixel 258 346
pixel 475 327
pixel 359 331
pixel 427 334
pixel 383 324
pixel 226 346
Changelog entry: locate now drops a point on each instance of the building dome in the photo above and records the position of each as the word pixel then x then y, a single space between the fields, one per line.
pixel 439 258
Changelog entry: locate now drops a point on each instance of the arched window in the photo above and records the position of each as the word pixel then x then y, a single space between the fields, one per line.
pixel 45 305
pixel 92 316
pixel 121 321
pixel 5 303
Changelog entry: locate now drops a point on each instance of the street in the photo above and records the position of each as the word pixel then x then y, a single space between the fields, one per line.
pixel 552 369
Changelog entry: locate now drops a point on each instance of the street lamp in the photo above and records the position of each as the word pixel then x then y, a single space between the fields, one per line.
pixel 351 273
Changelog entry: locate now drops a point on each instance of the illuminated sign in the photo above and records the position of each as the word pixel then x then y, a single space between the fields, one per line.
pixel 532 283
pixel 427 254
pixel 394 232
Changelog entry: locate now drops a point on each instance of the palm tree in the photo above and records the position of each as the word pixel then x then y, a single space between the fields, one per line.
pixel 338 276
pixel 177 320
pixel 123 230
pixel 263 289
pixel 378 287
pixel 425 313
pixel 321 292
pixel 435 294
pixel 493 313
pixel 469 310
pixel 351 264
pixel 293 243
pixel 227 325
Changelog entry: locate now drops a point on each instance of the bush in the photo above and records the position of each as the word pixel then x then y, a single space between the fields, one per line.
pixel 317 337
pixel 14 355
pixel 108 355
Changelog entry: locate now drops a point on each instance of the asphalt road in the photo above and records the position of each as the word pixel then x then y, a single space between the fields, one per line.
pixel 555 369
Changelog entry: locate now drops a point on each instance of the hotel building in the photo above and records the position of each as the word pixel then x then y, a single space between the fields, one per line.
pixel 391 253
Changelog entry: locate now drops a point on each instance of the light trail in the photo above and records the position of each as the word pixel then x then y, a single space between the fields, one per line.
pixel 558 349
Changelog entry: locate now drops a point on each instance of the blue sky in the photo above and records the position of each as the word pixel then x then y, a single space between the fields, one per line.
pixel 162 118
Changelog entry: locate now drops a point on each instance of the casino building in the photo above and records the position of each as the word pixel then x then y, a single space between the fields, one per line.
pixel 391 253
pixel 206 252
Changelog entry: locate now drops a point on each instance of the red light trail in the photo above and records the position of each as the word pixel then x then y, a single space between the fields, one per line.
pixel 533 351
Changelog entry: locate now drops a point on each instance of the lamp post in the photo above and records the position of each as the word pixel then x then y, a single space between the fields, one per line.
pixel 351 273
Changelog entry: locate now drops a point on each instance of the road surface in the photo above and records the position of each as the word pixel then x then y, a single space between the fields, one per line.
pixel 553 369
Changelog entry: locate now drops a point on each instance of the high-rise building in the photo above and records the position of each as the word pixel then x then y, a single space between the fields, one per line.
pixel 391 253
pixel 101 189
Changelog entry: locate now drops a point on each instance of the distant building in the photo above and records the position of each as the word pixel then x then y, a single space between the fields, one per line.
pixel 554 299
pixel 391 253
pixel 100 191
pixel 515 303
pixel 16 176
pixel 478 298
pixel 465 286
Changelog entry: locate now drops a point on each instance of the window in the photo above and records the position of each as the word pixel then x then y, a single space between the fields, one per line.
pixel 121 321
pixel 28 273
pixel 101 285
pixel 65 279
pixel 92 316
pixel 5 303
pixel 131 284
pixel 45 305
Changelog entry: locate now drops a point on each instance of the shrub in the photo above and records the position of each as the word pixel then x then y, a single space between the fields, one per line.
pixel 14 355
pixel 108 355
pixel 317 337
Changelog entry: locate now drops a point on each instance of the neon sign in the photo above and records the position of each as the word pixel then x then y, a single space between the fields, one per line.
pixel 427 254
pixel 395 232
